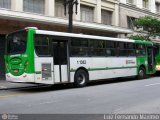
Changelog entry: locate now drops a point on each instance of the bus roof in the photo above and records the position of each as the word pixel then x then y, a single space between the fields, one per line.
pixel 74 35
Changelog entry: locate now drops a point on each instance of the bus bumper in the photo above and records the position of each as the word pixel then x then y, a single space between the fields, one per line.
pixel 24 78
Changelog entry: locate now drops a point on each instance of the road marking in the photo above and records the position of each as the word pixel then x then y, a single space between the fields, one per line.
pixel 11 95
pixel 152 84
pixel 3 87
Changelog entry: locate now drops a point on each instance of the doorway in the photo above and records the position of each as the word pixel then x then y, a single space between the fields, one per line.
pixel 151 60
pixel 60 60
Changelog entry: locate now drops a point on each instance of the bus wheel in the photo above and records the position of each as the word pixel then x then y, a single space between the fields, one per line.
pixel 141 73
pixel 81 78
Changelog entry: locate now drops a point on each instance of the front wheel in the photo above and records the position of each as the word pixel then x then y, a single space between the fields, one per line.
pixel 81 78
pixel 141 73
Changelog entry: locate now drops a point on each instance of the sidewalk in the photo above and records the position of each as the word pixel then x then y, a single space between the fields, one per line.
pixel 4 85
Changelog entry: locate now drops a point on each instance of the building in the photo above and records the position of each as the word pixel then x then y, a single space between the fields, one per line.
pixel 98 17
pixel 133 9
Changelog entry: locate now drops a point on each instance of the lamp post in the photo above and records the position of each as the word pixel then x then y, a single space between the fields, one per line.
pixel 69 4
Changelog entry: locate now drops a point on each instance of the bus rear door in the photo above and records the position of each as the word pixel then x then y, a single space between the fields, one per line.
pixel 60 61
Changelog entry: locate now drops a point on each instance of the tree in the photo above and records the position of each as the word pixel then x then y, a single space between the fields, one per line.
pixel 149 24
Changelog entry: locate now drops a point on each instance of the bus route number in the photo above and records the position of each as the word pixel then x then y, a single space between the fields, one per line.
pixel 81 62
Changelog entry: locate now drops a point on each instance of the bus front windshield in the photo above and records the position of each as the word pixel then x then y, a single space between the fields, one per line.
pixel 16 42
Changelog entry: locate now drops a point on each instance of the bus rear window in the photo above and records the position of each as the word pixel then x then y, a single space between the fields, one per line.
pixel 16 42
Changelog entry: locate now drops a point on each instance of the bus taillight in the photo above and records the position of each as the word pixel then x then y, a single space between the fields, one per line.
pixel 25 76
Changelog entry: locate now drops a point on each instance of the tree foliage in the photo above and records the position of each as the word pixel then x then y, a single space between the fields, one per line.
pixel 149 24
pixel 139 37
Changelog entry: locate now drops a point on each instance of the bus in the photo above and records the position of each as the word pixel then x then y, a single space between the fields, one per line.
pixel 49 57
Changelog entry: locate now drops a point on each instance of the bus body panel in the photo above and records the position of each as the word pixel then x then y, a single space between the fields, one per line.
pixel 51 73
pixel 142 61
pixel 60 78
pixel 103 68
pixel 44 70
pixel 64 71
pixel 24 78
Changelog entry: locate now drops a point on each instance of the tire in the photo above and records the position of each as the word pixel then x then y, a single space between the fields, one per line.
pixel 81 78
pixel 141 73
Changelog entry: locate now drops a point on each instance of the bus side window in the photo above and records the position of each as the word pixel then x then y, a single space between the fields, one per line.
pixel 140 50
pixel 121 49
pixel 110 48
pixel 156 50
pixel 79 47
pixel 42 47
pixel 131 49
pixel 97 48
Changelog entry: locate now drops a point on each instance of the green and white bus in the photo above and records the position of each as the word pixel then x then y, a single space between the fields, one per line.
pixel 49 57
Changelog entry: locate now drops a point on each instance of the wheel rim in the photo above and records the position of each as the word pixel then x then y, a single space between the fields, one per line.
pixel 81 79
pixel 141 73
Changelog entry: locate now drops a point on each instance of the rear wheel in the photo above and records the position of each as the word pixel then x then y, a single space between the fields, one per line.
pixel 81 78
pixel 141 73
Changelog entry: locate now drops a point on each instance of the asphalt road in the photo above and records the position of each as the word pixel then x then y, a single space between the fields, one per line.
pixel 122 96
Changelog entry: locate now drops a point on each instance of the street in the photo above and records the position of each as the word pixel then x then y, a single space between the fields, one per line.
pixel 122 96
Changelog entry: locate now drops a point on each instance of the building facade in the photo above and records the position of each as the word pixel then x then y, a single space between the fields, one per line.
pixel 101 15
pixel 133 9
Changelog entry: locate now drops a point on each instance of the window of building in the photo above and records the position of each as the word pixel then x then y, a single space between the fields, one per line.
pixel 158 7
pixel 5 4
pixel 145 4
pixel 87 13
pixel 35 6
pixel 130 22
pixel 130 1
pixel 106 17
pixel 59 9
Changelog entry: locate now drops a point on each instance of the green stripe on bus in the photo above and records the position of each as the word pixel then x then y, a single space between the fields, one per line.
pixel 113 68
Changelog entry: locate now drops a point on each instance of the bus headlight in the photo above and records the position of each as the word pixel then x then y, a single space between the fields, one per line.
pixel 158 67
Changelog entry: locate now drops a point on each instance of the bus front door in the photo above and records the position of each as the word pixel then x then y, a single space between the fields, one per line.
pixel 150 52
pixel 60 61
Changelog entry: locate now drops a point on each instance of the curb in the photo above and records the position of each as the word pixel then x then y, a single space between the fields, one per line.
pixel 19 88
pixel 14 88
